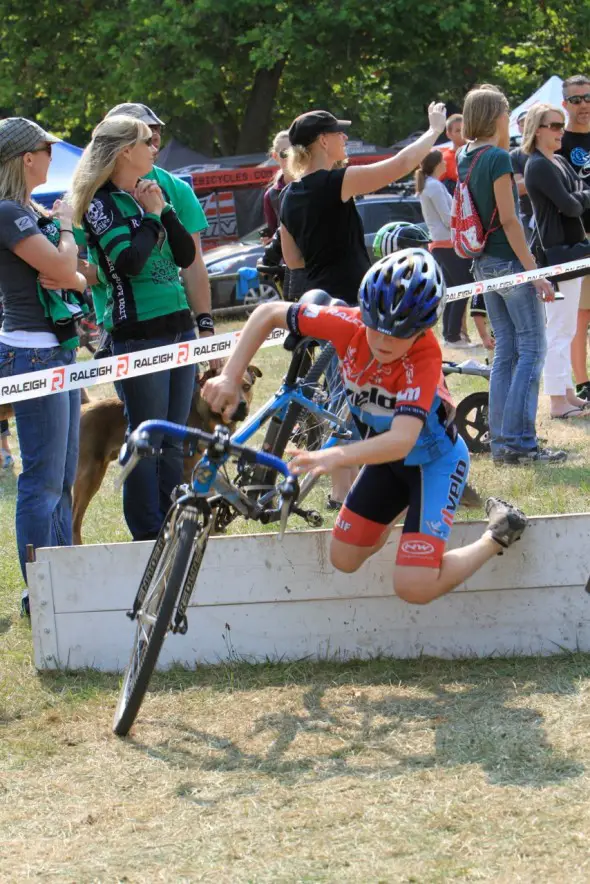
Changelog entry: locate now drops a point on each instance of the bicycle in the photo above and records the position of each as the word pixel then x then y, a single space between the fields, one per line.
pixel 211 501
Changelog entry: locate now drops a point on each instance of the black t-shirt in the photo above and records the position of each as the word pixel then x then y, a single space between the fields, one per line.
pixel 575 147
pixel 519 160
pixel 328 233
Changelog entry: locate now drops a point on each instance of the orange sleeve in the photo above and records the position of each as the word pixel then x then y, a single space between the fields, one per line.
pixel 334 324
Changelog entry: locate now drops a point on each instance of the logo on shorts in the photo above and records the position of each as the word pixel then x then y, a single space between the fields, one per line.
pixel 343 524
pixel 99 219
pixel 24 223
pixel 417 548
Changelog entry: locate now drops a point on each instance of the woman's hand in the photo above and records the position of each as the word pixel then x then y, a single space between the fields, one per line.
pixel 62 212
pixel 222 395
pixel 437 116
pixel 150 197
pixel 75 281
pixel 545 291
pixel 316 463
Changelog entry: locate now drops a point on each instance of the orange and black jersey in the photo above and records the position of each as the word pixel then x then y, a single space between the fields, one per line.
pixel 413 385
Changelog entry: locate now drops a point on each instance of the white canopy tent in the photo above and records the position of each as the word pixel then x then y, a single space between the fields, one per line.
pixel 548 93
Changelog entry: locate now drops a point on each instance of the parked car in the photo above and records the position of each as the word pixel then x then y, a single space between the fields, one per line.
pixel 224 262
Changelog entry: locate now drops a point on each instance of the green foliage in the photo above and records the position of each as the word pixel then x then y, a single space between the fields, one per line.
pixel 227 73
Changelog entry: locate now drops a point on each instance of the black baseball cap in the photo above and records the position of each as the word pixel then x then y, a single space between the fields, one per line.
pixel 306 127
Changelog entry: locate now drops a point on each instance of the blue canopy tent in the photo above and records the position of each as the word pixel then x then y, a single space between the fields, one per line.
pixel 64 160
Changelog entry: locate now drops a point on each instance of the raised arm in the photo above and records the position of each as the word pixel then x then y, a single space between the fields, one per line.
pixel 367 179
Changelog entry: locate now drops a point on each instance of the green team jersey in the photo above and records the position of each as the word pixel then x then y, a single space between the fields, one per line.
pixel 188 208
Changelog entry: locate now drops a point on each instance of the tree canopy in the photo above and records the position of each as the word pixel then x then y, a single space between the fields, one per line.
pixel 226 74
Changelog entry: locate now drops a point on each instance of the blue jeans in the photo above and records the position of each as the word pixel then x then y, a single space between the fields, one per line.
pixel 48 429
pixel 518 320
pixel 163 395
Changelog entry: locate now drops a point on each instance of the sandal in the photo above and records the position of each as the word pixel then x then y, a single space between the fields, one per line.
pixel 572 412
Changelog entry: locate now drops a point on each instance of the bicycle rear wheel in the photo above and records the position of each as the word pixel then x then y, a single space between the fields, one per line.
pixel 163 580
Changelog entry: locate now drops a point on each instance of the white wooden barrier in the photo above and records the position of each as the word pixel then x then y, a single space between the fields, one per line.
pixel 257 598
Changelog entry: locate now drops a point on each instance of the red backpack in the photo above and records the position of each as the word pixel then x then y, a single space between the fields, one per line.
pixel 467 233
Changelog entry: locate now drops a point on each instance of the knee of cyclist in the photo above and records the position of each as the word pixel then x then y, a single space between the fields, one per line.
pixel 346 560
pixel 412 591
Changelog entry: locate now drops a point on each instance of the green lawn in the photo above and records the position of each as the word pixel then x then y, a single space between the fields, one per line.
pixel 378 771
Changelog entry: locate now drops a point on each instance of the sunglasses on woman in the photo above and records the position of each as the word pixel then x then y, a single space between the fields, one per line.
pixel 283 154
pixel 555 127
pixel 149 141
pixel 578 99
pixel 45 148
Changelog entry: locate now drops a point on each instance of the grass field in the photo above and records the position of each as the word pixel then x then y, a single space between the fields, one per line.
pixel 380 771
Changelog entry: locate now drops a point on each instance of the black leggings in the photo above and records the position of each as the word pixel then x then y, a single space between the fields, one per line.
pixel 456 271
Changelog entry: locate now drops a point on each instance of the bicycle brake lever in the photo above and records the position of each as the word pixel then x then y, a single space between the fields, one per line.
pixel 289 493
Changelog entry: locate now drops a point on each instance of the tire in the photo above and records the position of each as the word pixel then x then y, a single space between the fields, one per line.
pixel 165 576
pixel 472 422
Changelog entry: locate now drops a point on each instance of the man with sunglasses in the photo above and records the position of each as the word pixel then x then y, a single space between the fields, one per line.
pixel 575 148
pixel 188 208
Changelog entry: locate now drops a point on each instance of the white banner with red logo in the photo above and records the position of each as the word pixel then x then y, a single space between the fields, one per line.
pixel 457 292
pixel 116 368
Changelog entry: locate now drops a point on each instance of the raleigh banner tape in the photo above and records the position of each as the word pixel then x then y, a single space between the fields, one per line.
pixel 115 368
pixel 457 292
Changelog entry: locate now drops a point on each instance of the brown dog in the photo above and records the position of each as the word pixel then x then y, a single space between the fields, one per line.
pixel 102 432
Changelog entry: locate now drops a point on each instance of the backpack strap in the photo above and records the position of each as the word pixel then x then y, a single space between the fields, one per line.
pixel 490 228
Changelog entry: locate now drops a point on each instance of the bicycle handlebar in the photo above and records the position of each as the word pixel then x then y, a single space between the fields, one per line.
pixel 218 444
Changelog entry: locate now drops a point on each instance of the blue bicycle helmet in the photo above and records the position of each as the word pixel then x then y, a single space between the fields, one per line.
pixel 403 293
pixel 396 235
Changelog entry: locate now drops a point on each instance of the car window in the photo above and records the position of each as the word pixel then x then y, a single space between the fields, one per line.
pixel 376 214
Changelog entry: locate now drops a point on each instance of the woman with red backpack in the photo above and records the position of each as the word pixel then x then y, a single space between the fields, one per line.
pixel 516 313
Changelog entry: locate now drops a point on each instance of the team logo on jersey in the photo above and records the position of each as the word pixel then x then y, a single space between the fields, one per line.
pixel 163 271
pixel 580 158
pixel 411 394
pixel 99 219
pixel 24 223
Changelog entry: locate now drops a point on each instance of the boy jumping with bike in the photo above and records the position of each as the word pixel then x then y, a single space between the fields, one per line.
pixel 413 459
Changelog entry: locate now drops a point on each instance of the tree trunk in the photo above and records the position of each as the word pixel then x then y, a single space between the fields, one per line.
pixel 225 128
pixel 255 129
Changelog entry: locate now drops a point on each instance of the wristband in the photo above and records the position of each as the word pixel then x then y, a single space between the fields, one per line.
pixel 65 230
pixel 205 322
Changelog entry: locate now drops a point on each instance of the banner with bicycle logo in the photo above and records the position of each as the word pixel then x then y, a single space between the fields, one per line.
pixel 114 368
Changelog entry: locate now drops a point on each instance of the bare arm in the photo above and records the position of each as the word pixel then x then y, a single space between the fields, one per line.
pixel 520 185
pixel 291 254
pixel 90 271
pixel 223 392
pixel 196 281
pixel 367 179
pixel 395 444
pixel 50 261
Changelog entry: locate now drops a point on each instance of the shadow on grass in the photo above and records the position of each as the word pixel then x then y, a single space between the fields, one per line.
pixel 475 710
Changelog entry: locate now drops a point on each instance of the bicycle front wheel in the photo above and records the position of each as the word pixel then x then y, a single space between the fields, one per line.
pixel 161 585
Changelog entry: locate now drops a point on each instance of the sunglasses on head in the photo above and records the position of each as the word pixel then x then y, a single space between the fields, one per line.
pixel 578 99
pixel 555 127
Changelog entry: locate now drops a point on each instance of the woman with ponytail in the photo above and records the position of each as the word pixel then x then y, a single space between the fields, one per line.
pixel 139 243
pixel 436 202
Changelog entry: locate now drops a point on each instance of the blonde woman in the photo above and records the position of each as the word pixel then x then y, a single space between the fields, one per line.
pixel 559 201
pixel 516 313
pixel 140 244
pixel 47 426
pixel 321 229
pixel 272 197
